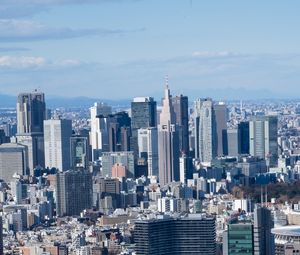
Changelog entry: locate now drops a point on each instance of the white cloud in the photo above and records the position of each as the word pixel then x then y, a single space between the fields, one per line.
pixel 13 30
pixel 21 62
pixel 35 62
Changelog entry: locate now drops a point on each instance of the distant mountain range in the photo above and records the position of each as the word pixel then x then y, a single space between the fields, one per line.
pixel 72 102
pixel 217 94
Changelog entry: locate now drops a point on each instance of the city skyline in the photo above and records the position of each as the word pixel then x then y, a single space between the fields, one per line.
pixel 228 49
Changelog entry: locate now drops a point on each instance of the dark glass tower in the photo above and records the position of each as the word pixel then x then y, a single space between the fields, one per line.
pixel 181 109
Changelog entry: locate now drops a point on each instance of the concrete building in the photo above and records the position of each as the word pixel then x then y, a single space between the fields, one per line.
pixel 13 160
pixel 99 129
pixel 192 234
pixel 73 192
pixel 148 148
pixel 263 138
pixel 57 134
pixel 109 159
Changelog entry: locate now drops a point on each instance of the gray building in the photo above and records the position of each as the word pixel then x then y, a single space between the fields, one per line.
pixel 73 192
pixel 192 234
pixel 220 116
pixel 148 148
pixel 13 160
pixel 31 112
pixel 126 158
pixel 264 243
pixel 231 142
pixel 263 138
pixel 168 142
pixel 79 152
pixel 57 134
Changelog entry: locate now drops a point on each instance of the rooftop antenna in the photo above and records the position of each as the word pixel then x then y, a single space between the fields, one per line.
pixel 167 81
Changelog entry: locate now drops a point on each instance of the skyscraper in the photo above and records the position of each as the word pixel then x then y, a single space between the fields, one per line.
pixel 57 143
pixel 263 238
pixel 31 112
pixel 192 234
pixel 181 109
pixel 244 139
pixel 148 148
pixel 79 152
pixel 205 137
pixel 73 192
pixel 263 138
pixel 168 142
pixel 119 131
pixel 220 116
pixel 99 129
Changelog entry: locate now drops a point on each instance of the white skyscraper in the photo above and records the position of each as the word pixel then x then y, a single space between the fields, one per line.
pixel 99 129
pixel 204 127
pixel 168 142
pixel 148 148
pixel 57 134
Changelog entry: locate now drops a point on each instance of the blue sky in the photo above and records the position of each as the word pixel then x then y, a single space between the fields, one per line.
pixel 123 48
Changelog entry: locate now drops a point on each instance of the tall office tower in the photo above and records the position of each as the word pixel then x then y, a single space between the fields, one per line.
pixel 238 239
pixel 13 160
pixel 220 112
pixel 1 236
pixel 263 138
pixel 185 168
pixel 31 112
pixel 181 109
pixel 99 129
pixel 79 152
pixel 231 142
pixel 119 131
pixel 148 148
pixel 205 137
pixel 165 235
pixel 263 238
pixel 109 159
pixel 73 192
pixel 244 139
pixel 168 142
pixel 143 115
pixel 57 134
pixel 3 137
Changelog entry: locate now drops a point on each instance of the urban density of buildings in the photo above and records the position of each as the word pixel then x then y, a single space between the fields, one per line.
pixel 176 177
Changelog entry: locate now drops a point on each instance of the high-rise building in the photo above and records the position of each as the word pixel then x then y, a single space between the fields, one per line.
pixel 192 234
pixel 168 142
pixel 205 148
pixel 210 124
pixel 13 160
pixel 99 129
pixel 79 152
pixel 143 115
pixel 264 243
pixel 109 159
pixel 73 192
pixel 244 139
pixel 31 112
pixel 119 131
pixel 263 138
pixel 181 109
pixel 220 115
pixel 231 142
pixel 239 239
pixel 148 148
pixel 186 168
pixel 57 134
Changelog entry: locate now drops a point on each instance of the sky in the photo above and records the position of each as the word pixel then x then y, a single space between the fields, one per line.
pixel 117 49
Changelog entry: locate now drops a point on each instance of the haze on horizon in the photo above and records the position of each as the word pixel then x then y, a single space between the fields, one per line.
pixel 124 48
